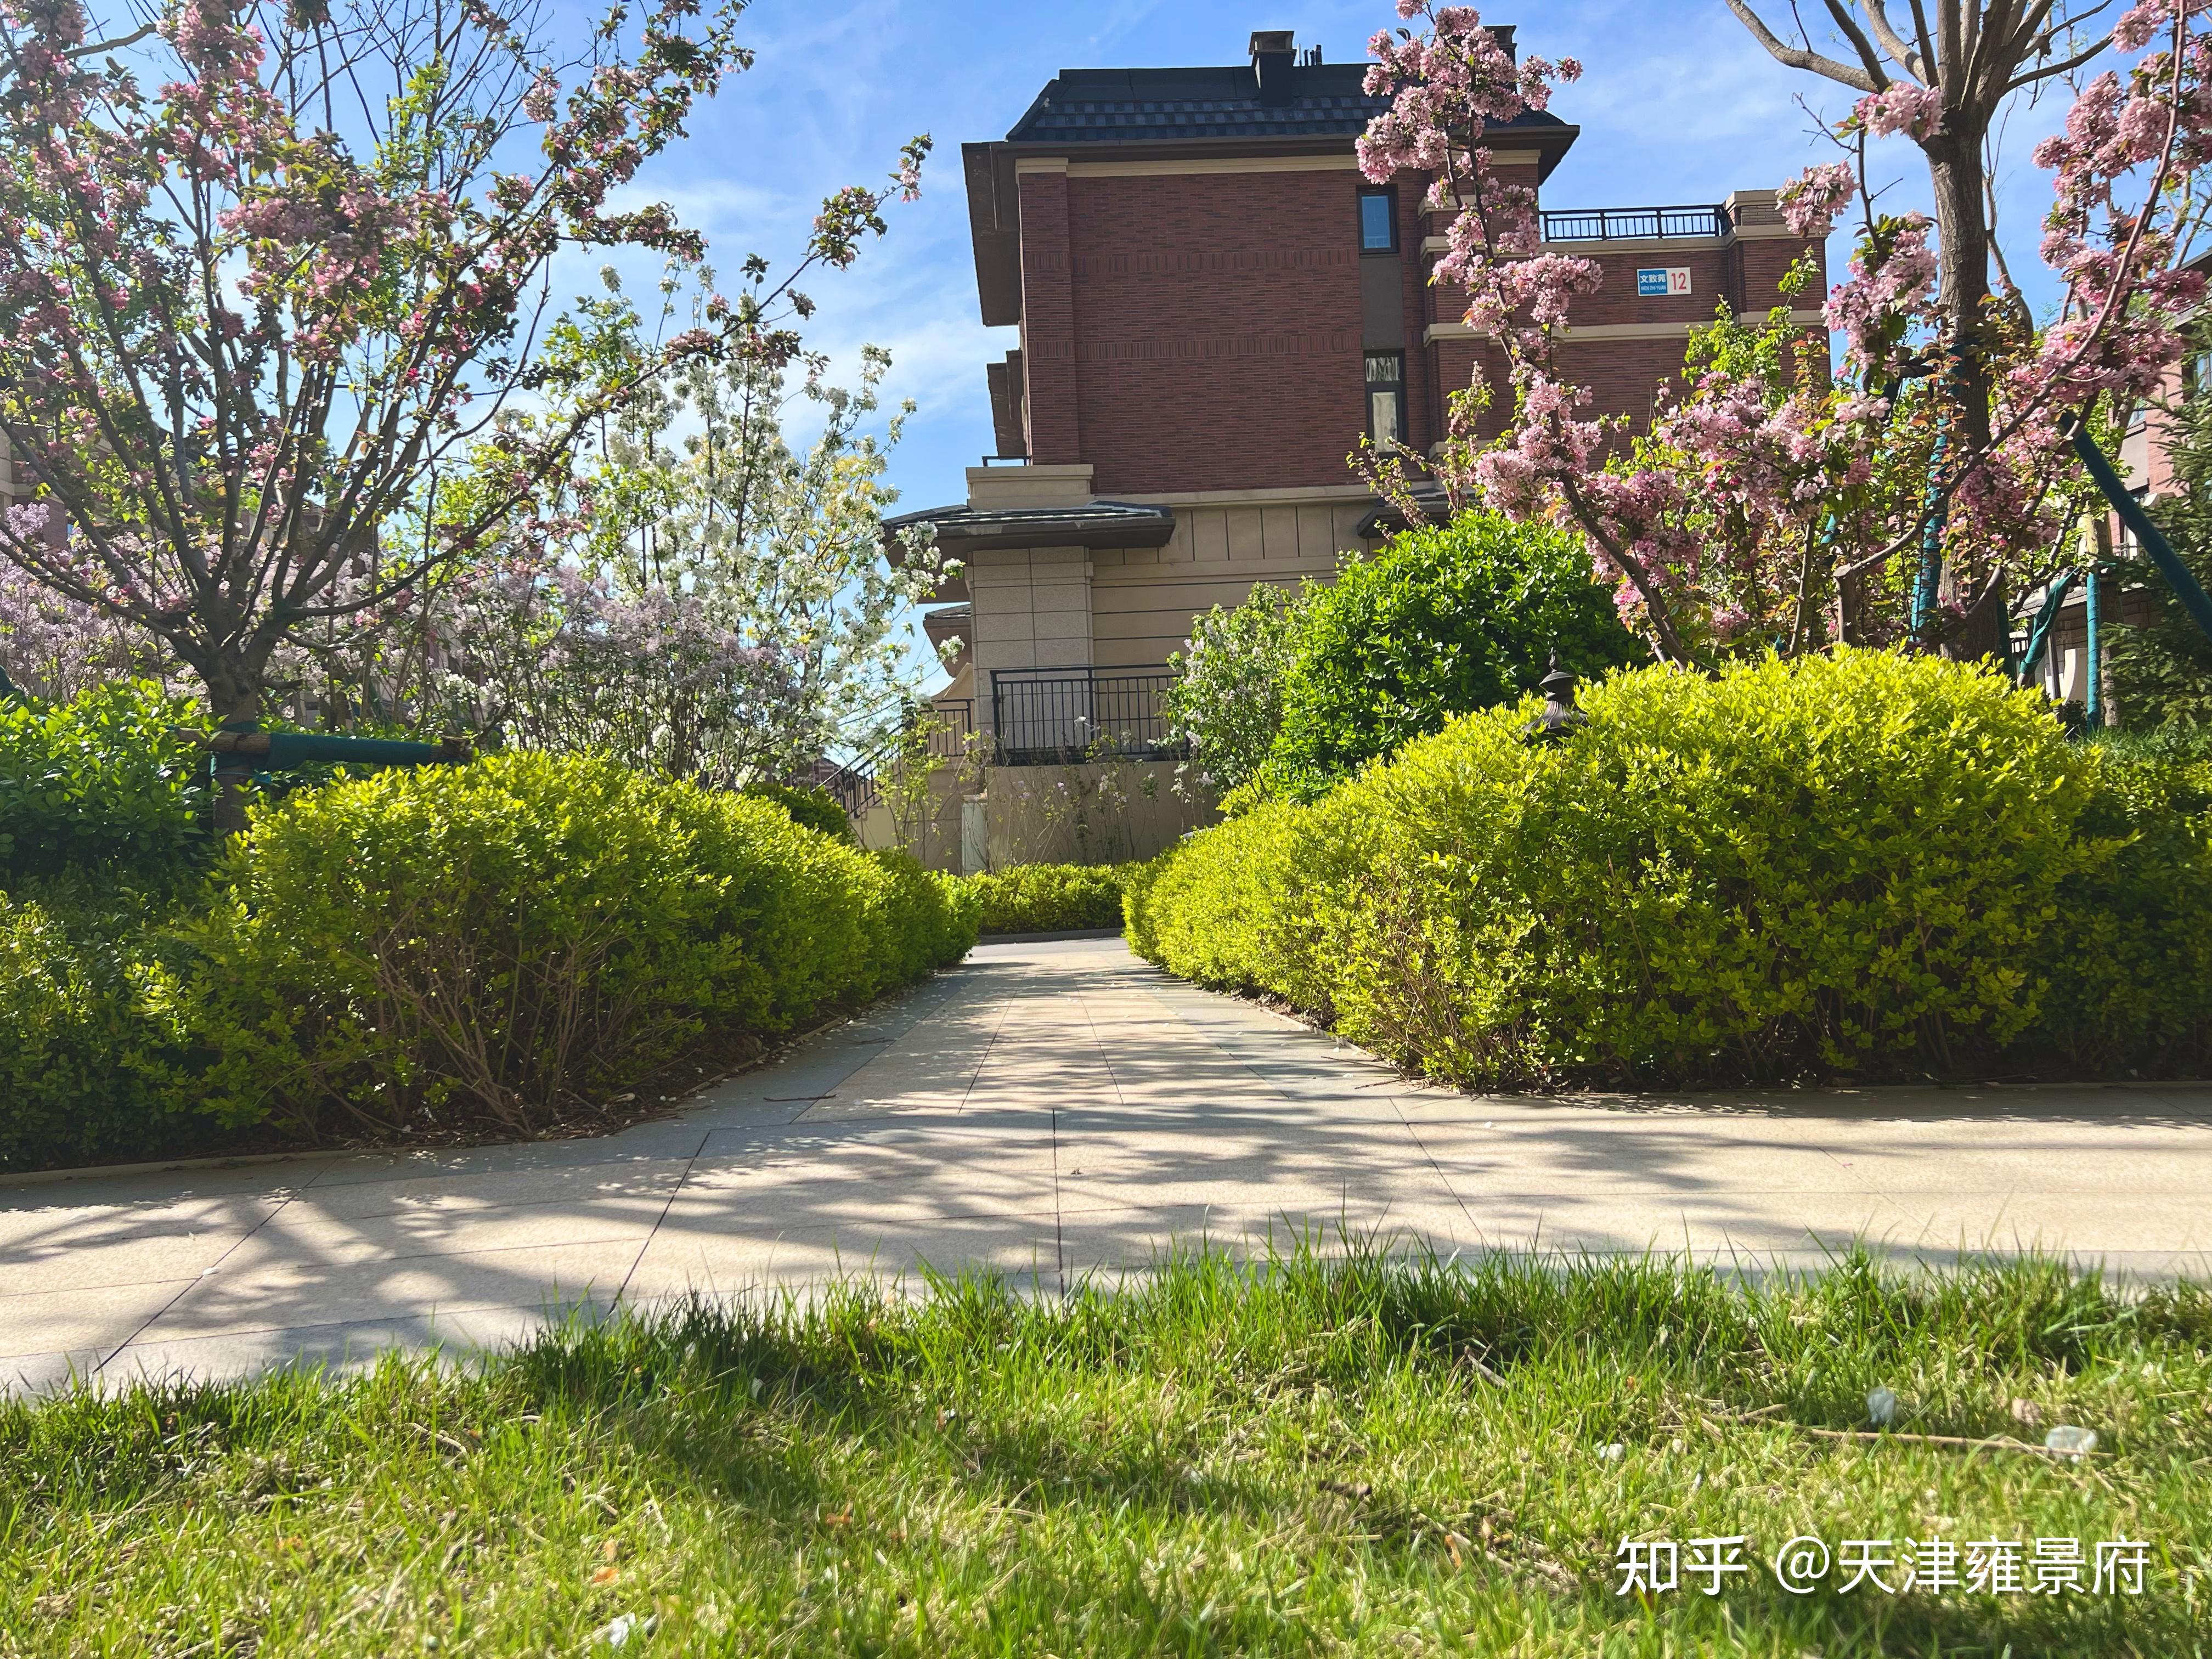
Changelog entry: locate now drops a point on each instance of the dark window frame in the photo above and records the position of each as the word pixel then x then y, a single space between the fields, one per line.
pixel 1369 387
pixel 1389 195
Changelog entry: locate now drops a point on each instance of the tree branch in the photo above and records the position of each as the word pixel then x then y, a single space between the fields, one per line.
pixel 1860 44
pixel 1894 43
pixel 1802 57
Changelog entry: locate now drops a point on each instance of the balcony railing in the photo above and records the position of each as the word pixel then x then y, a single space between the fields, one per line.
pixel 1626 224
pixel 1045 715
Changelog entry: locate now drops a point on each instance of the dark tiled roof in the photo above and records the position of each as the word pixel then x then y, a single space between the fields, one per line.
pixel 1136 106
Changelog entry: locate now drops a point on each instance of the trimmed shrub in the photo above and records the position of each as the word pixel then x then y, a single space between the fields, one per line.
pixel 1864 864
pixel 811 807
pixel 1441 621
pixel 2129 955
pixel 495 946
pixel 1045 899
pixel 88 1058
pixel 98 784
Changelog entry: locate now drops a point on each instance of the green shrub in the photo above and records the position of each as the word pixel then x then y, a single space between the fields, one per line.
pixel 1871 863
pixel 98 784
pixel 88 1058
pixel 2131 985
pixel 491 946
pixel 811 807
pixel 1441 621
pixel 1045 899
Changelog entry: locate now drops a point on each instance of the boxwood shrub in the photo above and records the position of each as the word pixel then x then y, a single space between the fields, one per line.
pixel 91 1055
pixel 1866 864
pixel 1044 898
pixel 98 784
pixel 810 805
pixel 495 946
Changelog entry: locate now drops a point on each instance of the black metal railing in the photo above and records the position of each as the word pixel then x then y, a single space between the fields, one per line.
pixel 953 728
pixel 1043 716
pixel 951 722
pixel 854 786
pixel 1624 224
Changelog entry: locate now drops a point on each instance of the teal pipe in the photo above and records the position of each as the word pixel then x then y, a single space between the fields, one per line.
pixel 288 749
pixel 240 747
pixel 2093 699
pixel 2185 586
pixel 1928 581
pixel 2039 636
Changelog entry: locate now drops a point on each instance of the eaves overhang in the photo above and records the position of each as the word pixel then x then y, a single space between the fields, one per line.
pixel 1388 517
pixel 962 532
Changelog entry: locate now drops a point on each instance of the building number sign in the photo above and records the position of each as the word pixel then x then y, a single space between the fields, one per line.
pixel 1658 282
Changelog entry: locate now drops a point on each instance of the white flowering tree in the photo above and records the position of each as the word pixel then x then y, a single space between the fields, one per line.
pixel 700 596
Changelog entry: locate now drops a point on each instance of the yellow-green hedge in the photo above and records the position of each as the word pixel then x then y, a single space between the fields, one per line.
pixel 1869 864
pixel 1041 898
pixel 489 946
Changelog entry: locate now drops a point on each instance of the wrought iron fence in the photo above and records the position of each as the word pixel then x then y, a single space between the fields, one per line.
pixel 1621 224
pixel 952 727
pixel 854 786
pixel 1040 716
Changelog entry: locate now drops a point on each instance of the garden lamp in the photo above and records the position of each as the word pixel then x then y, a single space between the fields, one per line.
pixel 1560 718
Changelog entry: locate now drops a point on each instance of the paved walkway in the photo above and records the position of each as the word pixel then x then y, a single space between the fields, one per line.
pixel 1051 1109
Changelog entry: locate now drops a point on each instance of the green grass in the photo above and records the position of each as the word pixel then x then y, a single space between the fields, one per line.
pixel 1300 1458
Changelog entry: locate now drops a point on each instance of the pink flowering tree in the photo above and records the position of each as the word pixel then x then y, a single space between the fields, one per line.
pixel 269 280
pixel 1775 504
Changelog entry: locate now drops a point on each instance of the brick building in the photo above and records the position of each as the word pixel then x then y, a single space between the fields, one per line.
pixel 1214 306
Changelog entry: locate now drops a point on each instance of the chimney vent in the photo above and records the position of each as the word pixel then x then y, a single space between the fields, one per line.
pixel 1274 54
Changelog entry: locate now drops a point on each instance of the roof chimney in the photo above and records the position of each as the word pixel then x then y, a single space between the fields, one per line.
pixel 1273 53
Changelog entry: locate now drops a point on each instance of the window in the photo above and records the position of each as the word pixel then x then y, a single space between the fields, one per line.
pixel 1386 399
pixel 1378 223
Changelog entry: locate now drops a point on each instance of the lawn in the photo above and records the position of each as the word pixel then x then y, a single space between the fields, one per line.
pixel 1362 1457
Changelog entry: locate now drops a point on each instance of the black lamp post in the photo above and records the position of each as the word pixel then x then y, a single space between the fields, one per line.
pixel 1560 719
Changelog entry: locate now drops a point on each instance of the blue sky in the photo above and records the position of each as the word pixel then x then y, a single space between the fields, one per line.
pixel 1677 104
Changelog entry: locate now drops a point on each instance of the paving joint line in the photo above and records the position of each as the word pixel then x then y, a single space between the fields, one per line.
pixel 189 1286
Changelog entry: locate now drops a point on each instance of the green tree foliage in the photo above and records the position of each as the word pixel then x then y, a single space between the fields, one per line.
pixel 1441 621
pixel 1864 864
pixel 1290 691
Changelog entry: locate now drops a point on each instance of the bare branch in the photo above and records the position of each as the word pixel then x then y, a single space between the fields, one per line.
pixel 1857 36
pixel 2064 66
pixel 1894 43
pixel 1802 57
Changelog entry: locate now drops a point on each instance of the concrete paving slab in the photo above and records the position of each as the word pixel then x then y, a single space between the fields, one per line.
pixel 342 1348
pixel 79 1321
pixel 743 1257
pixel 1047 1110
pixel 281 1288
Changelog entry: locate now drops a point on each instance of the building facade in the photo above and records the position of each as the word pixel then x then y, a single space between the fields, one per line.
pixel 1214 308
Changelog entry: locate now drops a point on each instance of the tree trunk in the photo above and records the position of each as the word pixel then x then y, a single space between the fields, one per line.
pixel 235 699
pixel 1955 161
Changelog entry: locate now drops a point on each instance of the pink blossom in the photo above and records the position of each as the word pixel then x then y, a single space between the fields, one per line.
pixel 1811 201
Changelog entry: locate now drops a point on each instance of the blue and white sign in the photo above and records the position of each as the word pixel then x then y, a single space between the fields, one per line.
pixel 1659 281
